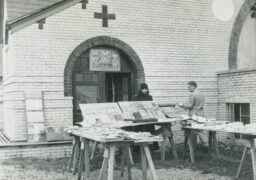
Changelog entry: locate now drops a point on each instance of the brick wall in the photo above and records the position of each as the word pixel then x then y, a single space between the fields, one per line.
pixel 237 83
pixel 1 89
pixel 36 151
pixel 177 41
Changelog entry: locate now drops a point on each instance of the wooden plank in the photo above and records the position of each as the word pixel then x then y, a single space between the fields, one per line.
pixel 242 162
pixel 103 168
pixel 216 144
pixel 72 156
pixel 129 162
pixel 143 162
pixel 81 158
pixel 94 149
pixel 105 163
pixel 150 161
pixel 86 158
pixel 210 140
pixel 185 144
pixel 130 155
pixel 123 158
pixel 76 156
pixel 163 147
pixel 111 161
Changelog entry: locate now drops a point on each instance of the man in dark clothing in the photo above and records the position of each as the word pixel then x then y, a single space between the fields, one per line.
pixel 143 95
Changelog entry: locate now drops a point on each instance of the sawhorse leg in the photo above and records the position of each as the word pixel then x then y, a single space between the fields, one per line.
pixel 216 144
pixel 111 161
pixel 213 140
pixel 144 164
pixel 191 145
pixel 164 130
pixel 84 159
pixel 149 161
pixel 81 157
pixel 174 151
pixel 94 149
pixel 76 154
pixel 163 145
pixel 126 159
pixel 185 143
pixel 104 164
pixel 253 158
pixel 71 159
pixel 242 162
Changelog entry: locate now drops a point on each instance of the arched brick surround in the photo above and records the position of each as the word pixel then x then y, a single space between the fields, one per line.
pixel 102 41
pixel 237 28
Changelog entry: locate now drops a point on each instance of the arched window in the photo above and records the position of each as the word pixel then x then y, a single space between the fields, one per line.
pixel 246 50
pixel 242 53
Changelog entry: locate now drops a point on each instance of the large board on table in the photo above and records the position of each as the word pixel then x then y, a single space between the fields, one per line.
pixel 148 109
pixel 102 113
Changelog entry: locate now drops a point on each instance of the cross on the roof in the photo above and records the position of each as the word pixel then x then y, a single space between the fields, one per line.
pixel 104 16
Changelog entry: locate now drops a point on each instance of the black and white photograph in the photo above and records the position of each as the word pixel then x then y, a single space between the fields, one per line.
pixel 127 89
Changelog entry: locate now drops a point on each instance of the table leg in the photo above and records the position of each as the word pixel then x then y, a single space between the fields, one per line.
pixel 216 144
pixel 143 162
pixel 104 164
pixel 72 155
pixel 241 162
pixel 111 160
pixel 130 155
pixel 129 162
pixel 163 147
pixel 76 155
pixel 253 158
pixel 123 161
pixel 174 151
pixel 210 140
pixel 80 167
pixel 150 161
pixel 185 143
pixel 86 158
pixel 191 146
pixel 94 149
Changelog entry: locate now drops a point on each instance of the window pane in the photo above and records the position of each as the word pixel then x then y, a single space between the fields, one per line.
pixel 245 120
pixel 94 77
pixel 231 109
pixel 79 77
pixel 245 109
pixel 237 112
pixel 88 77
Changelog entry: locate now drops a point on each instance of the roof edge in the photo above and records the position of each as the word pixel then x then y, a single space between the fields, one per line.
pixel 36 16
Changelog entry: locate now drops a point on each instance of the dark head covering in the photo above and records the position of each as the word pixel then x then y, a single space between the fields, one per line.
pixel 141 96
pixel 143 86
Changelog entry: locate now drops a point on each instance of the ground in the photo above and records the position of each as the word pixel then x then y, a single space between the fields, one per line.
pixel 207 167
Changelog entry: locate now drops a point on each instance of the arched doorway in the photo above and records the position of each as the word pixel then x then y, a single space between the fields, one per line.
pixel 89 83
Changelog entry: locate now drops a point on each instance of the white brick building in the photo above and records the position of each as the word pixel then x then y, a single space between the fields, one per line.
pixel 165 43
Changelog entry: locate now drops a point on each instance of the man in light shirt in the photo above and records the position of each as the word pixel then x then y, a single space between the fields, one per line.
pixel 195 105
